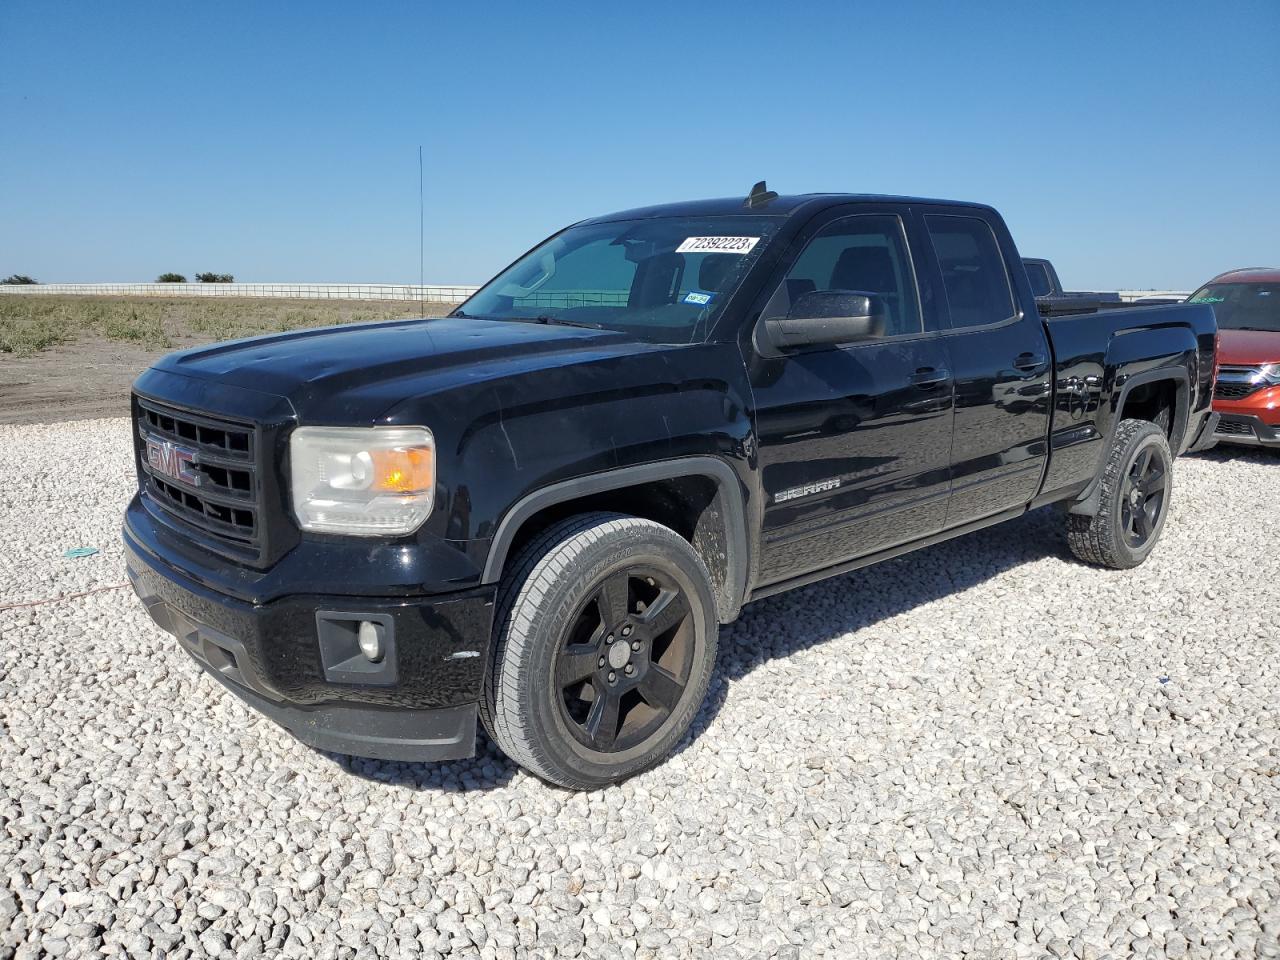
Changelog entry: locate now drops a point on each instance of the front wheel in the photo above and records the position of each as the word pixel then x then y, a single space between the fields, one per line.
pixel 1137 482
pixel 606 639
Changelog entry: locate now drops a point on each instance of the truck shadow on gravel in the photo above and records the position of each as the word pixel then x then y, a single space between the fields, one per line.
pixel 768 630
pixel 489 769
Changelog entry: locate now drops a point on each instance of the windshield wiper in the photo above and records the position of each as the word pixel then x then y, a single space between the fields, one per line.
pixel 544 318
pixel 561 321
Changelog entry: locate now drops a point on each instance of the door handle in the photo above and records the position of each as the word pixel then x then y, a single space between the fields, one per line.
pixel 1029 361
pixel 930 376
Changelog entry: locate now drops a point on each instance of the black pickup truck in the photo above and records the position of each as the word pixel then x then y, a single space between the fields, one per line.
pixel 1053 301
pixel 537 511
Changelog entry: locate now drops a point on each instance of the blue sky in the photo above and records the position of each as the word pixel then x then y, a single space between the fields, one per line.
pixel 1136 144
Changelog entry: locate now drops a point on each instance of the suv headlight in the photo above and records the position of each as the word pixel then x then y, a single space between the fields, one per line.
pixel 1270 374
pixel 363 481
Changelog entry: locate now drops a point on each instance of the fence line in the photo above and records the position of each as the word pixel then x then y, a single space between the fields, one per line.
pixel 297 291
pixel 344 291
pixel 1129 296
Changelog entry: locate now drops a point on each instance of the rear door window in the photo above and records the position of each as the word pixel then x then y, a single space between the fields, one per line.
pixel 973 270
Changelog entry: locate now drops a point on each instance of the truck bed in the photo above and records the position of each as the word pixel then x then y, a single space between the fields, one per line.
pixel 1101 357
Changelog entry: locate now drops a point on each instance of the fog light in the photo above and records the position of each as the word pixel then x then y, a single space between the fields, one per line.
pixel 370 641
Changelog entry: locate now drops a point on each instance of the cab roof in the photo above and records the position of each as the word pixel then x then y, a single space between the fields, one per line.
pixel 779 206
pixel 1249 275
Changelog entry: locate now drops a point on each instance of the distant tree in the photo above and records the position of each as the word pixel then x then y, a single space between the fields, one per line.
pixel 18 280
pixel 215 278
pixel 171 278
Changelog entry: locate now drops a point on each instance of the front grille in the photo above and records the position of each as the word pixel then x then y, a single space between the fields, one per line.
pixel 1232 427
pixel 217 489
pixel 1234 390
pixel 1236 382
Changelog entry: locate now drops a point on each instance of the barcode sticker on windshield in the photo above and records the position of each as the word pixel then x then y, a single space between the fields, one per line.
pixel 717 245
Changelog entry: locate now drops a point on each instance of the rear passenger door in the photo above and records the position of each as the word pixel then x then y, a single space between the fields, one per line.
pixel 1000 360
pixel 854 440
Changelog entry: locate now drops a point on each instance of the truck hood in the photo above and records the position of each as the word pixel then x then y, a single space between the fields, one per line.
pixel 1248 348
pixel 364 369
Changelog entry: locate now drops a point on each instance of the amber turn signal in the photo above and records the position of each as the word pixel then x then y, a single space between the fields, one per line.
pixel 403 470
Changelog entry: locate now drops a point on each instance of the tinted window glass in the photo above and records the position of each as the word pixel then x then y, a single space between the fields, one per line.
pixel 1243 306
pixel 863 253
pixel 664 280
pixel 973 271
pixel 1039 277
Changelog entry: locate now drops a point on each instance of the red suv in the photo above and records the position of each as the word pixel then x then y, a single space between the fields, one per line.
pixel 1247 395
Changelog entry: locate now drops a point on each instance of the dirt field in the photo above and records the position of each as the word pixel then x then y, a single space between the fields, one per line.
pixel 72 358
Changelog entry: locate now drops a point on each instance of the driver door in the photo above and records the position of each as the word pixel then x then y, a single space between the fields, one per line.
pixel 854 440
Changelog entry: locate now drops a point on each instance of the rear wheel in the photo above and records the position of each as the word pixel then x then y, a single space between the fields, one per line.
pixel 606 642
pixel 1137 482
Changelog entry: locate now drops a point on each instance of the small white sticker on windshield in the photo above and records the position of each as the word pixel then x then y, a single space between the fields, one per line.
pixel 717 245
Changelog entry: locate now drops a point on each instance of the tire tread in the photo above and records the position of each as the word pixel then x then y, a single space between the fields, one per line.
pixel 1093 539
pixel 522 594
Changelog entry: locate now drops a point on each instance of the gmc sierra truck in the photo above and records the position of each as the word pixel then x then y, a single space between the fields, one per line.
pixel 536 512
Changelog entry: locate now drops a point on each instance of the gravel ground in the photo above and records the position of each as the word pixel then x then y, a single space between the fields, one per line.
pixel 982 750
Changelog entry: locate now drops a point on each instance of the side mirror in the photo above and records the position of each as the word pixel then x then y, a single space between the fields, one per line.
pixel 828 317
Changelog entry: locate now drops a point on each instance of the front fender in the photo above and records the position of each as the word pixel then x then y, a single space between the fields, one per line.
pixel 731 498
pixel 504 441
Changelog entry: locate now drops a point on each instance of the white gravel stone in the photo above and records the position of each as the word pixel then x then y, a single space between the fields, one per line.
pixel 984 749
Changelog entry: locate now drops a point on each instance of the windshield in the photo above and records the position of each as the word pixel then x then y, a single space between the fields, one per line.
pixel 663 280
pixel 1243 306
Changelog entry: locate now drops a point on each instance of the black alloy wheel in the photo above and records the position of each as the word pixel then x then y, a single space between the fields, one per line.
pixel 626 659
pixel 605 641
pixel 1132 498
pixel 1143 498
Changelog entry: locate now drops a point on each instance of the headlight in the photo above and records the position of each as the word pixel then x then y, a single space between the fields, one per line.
pixel 1270 374
pixel 365 481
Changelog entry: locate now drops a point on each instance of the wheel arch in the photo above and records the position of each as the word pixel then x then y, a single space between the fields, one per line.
pixel 700 496
pixel 1122 407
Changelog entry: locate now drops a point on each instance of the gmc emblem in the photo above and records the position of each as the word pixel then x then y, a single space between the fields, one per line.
pixel 172 460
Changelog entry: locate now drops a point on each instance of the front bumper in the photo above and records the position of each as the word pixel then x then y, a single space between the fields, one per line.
pixel 1246 429
pixel 293 659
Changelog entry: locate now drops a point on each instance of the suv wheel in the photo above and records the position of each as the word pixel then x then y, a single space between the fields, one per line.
pixel 606 639
pixel 1137 481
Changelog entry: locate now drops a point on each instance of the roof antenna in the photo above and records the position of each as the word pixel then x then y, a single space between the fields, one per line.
pixel 759 195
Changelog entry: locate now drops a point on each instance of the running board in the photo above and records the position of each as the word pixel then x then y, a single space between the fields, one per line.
pixel 813 577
